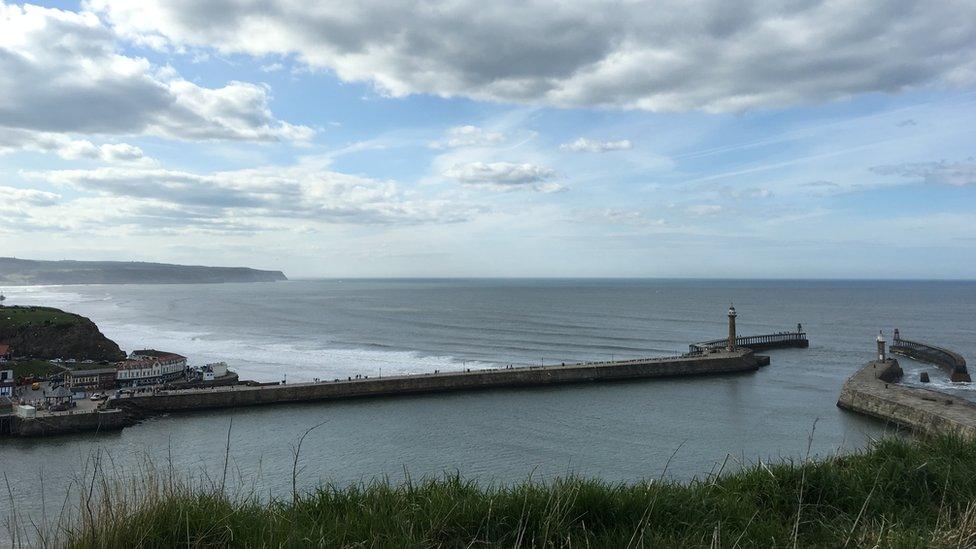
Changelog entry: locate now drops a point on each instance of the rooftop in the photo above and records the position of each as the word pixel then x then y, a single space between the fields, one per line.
pixel 92 372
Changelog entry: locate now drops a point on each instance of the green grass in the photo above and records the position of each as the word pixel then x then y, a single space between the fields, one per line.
pixel 896 494
pixel 15 317
pixel 27 368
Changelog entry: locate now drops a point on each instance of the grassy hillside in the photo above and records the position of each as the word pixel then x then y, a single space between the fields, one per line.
pixel 16 317
pixel 897 494
pixel 48 333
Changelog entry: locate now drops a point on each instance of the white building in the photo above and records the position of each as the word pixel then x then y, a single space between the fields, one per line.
pixel 7 383
pixel 150 367
pixel 214 371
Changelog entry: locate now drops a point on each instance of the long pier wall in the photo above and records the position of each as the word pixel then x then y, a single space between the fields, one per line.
pixel 197 399
pixel 954 363
pixel 873 391
pixel 104 420
pixel 764 342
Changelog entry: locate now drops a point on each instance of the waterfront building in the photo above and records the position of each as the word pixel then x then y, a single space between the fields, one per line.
pixel 7 383
pixel 58 397
pixel 214 371
pixel 150 367
pixel 98 378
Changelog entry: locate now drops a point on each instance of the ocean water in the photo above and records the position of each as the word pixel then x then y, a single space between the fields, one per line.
pixel 300 330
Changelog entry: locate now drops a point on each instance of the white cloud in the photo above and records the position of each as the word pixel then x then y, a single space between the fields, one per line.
pixel 467 136
pixel 705 209
pixel 306 191
pixel 748 193
pixel 61 72
pixel 670 55
pixel 505 175
pixel 12 140
pixel 957 174
pixel 10 196
pixel 591 145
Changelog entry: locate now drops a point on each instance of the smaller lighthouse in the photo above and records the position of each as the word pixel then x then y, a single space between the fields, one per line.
pixel 731 344
pixel 881 346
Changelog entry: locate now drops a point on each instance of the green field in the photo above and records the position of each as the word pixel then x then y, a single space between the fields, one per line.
pixel 15 317
pixel 899 493
pixel 28 368
pixel 44 368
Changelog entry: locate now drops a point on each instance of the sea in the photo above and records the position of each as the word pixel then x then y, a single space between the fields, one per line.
pixel 632 431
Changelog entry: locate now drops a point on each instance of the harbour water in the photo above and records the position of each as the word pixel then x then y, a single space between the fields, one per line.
pixel 301 330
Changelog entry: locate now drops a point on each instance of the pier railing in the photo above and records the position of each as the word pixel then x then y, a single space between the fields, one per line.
pixel 954 362
pixel 757 342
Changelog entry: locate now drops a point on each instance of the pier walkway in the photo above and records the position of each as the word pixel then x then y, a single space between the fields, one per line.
pixel 778 340
pixel 711 363
pixel 954 363
pixel 874 391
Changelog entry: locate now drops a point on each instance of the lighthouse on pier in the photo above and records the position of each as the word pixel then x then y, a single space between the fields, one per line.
pixel 881 346
pixel 731 344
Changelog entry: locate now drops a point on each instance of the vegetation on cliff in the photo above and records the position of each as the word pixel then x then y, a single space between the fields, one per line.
pixel 47 333
pixel 898 493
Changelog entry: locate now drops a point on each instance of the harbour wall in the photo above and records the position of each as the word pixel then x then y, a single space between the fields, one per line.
pixel 873 391
pixel 49 424
pixel 197 399
pixel 953 362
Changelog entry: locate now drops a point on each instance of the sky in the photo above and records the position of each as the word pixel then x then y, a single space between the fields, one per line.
pixel 691 138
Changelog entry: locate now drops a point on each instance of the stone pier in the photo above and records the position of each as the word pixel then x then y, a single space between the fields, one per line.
pixel 874 391
pixel 712 363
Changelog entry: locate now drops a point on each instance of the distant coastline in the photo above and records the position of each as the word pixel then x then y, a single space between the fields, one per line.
pixel 28 272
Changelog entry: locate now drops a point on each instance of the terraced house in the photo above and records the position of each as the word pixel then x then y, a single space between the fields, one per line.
pixel 150 367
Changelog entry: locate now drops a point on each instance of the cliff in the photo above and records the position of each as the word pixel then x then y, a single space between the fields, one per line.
pixel 24 272
pixel 46 333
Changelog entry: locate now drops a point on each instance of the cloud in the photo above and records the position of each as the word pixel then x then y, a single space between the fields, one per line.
pixel 305 191
pixel 14 196
pixel 705 209
pixel 820 184
pixel 590 145
pixel 672 55
pixel 467 136
pixel 619 216
pixel 505 175
pixel 72 149
pixel 957 174
pixel 748 193
pixel 61 72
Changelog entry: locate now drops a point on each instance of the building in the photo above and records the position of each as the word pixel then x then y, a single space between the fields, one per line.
pixel 59 398
pixel 4 352
pixel 7 383
pixel 150 367
pixel 214 371
pixel 98 378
